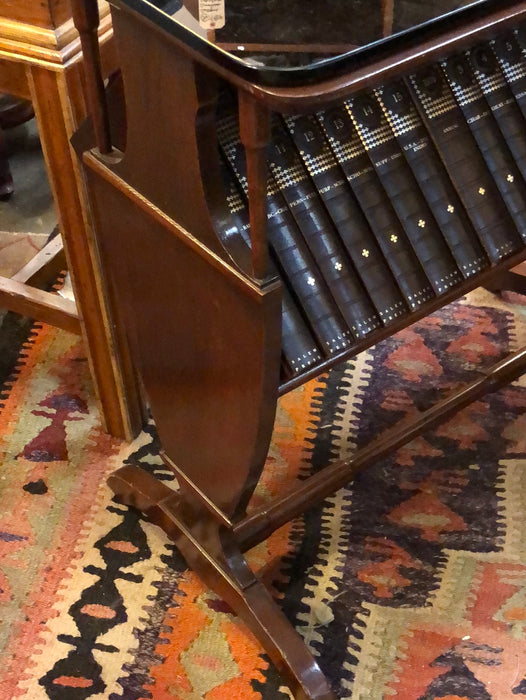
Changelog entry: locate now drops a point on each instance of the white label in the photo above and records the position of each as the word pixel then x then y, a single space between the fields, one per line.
pixel 212 14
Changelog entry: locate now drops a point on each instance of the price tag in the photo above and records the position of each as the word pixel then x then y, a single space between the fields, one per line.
pixel 212 14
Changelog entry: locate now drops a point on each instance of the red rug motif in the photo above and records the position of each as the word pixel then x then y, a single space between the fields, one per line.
pixel 409 583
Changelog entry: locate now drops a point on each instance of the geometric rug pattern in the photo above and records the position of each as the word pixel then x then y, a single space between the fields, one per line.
pixel 409 583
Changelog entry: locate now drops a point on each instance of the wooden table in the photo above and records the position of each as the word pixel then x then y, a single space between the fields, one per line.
pixel 40 60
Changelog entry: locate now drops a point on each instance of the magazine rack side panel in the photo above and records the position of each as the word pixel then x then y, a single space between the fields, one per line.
pixel 205 339
pixel 171 144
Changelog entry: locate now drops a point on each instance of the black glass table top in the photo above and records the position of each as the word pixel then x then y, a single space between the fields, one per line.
pixel 291 42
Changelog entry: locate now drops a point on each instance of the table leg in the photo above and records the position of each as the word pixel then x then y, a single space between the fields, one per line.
pixel 6 180
pixel 53 94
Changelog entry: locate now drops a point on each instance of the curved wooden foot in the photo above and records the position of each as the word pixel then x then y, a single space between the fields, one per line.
pixel 212 552
pixel 6 179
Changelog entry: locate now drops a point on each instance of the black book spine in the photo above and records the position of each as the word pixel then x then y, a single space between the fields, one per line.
pixel 510 51
pixel 466 167
pixel 294 260
pixel 375 204
pixel 501 100
pixel 318 231
pixel 348 218
pixel 434 182
pixel 403 190
pixel 491 145
pixel 299 349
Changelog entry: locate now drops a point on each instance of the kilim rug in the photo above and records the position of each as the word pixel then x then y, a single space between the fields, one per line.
pixel 410 583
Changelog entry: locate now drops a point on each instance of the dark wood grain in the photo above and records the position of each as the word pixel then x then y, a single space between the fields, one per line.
pixel 255 135
pixel 206 341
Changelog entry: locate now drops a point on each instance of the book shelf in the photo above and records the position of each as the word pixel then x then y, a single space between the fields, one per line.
pixel 203 310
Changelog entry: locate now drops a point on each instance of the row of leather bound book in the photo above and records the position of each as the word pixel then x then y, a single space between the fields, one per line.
pixel 392 198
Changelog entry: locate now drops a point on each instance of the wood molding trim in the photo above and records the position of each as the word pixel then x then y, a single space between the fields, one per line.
pixel 28 43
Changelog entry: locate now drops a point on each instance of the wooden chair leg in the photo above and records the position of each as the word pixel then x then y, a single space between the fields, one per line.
pixel 13 112
pixel 6 179
pixel 211 551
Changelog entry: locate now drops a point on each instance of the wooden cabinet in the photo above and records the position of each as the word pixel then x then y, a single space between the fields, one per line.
pixel 204 322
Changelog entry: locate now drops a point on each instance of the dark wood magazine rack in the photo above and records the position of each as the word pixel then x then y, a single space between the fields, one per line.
pixel 204 324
